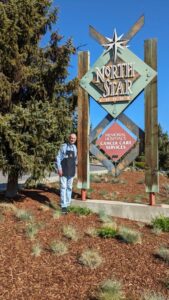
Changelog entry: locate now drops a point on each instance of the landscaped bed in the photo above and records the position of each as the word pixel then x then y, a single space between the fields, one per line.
pixel 128 187
pixel 43 254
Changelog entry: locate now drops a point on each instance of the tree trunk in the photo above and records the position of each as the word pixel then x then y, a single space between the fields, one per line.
pixel 12 185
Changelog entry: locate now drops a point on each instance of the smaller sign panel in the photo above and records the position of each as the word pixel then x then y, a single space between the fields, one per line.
pixel 115 142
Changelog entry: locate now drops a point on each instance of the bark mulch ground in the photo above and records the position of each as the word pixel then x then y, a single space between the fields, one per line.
pixel 47 276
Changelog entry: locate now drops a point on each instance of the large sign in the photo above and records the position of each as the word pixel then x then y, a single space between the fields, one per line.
pixel 117 77
pixel 115 142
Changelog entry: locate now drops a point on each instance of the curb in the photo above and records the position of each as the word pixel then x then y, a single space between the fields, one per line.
pixel 132 211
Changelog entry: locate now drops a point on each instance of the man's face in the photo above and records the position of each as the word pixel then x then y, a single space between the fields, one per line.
pixel 72 138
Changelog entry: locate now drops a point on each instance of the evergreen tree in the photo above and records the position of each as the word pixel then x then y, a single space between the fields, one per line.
pixel 35 106
pixel 163 142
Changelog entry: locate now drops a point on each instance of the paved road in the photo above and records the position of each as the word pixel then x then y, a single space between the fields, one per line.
pixel 94 169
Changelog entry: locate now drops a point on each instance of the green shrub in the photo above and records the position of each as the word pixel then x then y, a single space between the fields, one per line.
pixel 84 211
pixel 59 248
pixel 111 290
pixel 140 164
pixel 163 253
pixel 129 235
pixel 107 232
pixel 161 222
pixel 90 258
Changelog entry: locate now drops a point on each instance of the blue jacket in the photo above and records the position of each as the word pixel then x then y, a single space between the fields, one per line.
pixel 62 152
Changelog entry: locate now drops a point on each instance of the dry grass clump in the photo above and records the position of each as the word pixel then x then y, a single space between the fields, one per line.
pixel 104 218
pixel 36 249
pixel 58 247
pixel 90 258
pixel 56 214
pixel 70 232
pixel 91 231
pixel 163 253
pixel 111 290
pixel 32 230
pixel 153 296
pixel 23 215
pixel 128 235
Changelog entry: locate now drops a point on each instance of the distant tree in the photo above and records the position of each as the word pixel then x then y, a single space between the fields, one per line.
pixel 163 146
pixel 35 106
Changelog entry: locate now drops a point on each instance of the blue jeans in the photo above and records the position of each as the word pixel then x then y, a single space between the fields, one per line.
pixel 66 184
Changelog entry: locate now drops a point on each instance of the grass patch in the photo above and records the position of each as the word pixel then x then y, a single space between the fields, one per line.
pixel 70 232
pixel 2 218
pixel 59 248
pixel 161 222
pixel 36 249
pixel 130 236
pixel 141 181
pixel 111 290
pixel 91 231
pixel 153 296
pixel 90 258
pixel 83 211
pixel 95 178
pixel 107 232
pixel 23 215
pixel 57 214
pixel 32 230
pixel 156 231
pixel 104 218
pixel 163 253
pixel 103 193
pixel 89 191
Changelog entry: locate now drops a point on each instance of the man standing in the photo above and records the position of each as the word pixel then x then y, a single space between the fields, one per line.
pixel 66 165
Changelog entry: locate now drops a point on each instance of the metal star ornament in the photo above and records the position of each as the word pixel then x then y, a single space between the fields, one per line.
pixel 115 43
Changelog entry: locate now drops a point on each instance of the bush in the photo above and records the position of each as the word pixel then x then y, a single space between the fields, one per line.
pixel 70 232
pixel 91 231
pixel 58 248
pixel 140 164
pixel 161 222
pixel 80 210
pixel 90 258
pixel 153 296
pixel 111 290
pixel 23 215
pixel 104 217
pixel 129 235
pixel 36 249
pixel 163 253
pixel 56 214
pixel 32 230
pixel 107 232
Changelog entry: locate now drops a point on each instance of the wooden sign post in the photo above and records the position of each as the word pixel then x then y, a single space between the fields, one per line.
pixel 83 127
pixel 151 124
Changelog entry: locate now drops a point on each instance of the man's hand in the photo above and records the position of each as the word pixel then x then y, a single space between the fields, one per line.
pixel 60 173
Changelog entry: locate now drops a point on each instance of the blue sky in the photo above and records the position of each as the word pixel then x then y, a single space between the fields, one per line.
pixel 75 16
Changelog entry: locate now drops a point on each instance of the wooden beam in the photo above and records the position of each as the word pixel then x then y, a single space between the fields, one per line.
pixel 101 39
pixel 151 122
pixel 134 29
pixel 83 124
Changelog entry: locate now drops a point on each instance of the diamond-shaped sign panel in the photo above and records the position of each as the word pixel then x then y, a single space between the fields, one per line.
pixel 115 85
pixel 115 142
